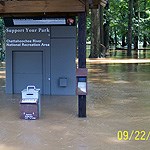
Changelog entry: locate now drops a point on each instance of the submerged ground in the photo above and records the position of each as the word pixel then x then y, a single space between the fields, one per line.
pixel 118 100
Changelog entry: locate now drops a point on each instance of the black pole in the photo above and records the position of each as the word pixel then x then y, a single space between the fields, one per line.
pixel 82 106
pixel 82 59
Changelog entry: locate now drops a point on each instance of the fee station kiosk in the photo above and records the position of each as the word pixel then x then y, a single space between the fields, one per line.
pixel 41 52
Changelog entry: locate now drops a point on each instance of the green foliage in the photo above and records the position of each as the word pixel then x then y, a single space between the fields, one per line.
pixel 88 26
pixel 2 53
pixel 145 23
pixel 1 29
pixel 118 16
pixel 118 13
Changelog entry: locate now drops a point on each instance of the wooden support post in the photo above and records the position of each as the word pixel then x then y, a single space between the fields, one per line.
pixel 81 106
pixel 82 59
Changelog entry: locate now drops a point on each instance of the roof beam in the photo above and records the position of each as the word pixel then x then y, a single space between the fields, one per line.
pixel 41 6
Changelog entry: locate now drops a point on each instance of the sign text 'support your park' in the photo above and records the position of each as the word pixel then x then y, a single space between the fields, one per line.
pixel 34 40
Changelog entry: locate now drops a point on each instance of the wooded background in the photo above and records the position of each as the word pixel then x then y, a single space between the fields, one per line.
pixel 122 24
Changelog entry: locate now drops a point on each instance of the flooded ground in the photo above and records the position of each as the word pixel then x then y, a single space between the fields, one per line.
pixel 118 100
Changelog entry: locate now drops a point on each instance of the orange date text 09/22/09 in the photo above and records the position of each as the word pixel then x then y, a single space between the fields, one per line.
pixel 136 135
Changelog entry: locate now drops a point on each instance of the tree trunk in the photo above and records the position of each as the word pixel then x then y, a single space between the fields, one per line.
pixel 106 29
pixel 94 34
pixel 136 42
pixel 123 40
pixel 102 47
pixel 144 37
pixel 144 41
pixel 136 30
pixel 116 41
pixel 130 16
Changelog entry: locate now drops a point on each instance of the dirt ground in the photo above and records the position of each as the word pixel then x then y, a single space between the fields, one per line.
pixel 118 100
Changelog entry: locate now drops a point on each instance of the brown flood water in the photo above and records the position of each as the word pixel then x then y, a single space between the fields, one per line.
pixel 118 99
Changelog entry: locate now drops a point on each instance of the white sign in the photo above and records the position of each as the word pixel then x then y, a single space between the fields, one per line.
pixel 44 21
pixel 27 30
pixel 82 86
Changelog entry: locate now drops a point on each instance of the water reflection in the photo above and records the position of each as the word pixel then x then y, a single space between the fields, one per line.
pixel 125 72
pixel 119 88
pixel 141 53
pixel 118 99
pixel 2 76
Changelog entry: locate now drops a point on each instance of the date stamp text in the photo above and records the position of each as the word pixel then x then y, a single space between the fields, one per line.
pixel 136 135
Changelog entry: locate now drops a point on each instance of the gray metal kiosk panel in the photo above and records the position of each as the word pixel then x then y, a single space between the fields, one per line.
pixel 63 66
pixel 27 39
pixel 23 80
pixel 50 67
pixel 27 70
pixel 27 62
pixel 63 31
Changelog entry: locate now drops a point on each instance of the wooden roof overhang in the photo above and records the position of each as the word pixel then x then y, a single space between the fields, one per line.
pixel 44 7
